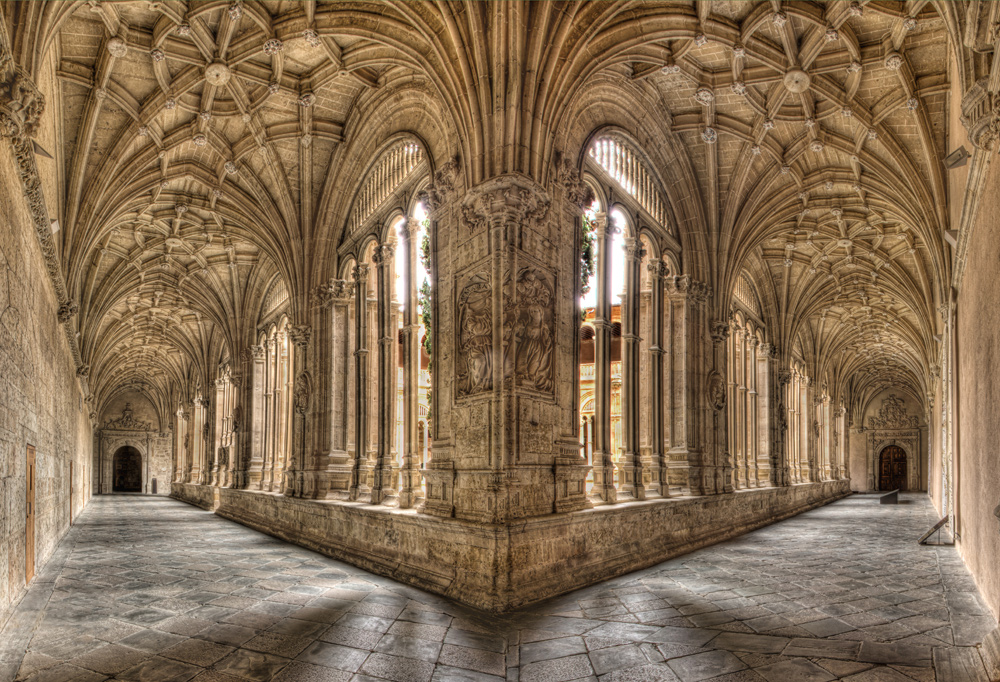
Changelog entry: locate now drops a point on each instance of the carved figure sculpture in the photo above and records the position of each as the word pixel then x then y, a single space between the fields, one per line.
pixel 529 329
pixel 475 329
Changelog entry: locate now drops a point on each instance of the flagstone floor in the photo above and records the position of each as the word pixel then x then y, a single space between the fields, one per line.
pixel 152 589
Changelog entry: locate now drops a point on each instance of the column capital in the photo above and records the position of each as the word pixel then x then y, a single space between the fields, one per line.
pixel 21 103
pixel 333 291
pixel 360 272
pixel 383 254
pixel 441 190
pixel 505 199
pixel 567 178
pixel 300 334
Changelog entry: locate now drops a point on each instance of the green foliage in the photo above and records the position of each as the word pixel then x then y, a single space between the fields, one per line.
pixel 588 252
pixel 424 291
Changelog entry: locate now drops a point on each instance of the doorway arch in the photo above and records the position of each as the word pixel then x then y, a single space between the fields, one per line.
pixel 892 468
pixel 126 470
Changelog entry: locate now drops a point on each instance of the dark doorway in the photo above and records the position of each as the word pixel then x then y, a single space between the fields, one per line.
pixel 127 467
pixel 892 469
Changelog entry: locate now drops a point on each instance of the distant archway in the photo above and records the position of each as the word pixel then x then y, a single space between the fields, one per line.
pixel 127 470
pixel 892 473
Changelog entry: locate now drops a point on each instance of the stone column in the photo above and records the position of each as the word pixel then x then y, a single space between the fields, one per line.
pixel 604 469
pixel 659 481
pixel 217 428
pixel 384 490
pixel 256 418
pixel 301 399
pixel 753 416
pixel 630 466
pixel 765 413
pixel 779 382
pixel 718 463
pixel 814 434
pixel 410 492
pixel 360 490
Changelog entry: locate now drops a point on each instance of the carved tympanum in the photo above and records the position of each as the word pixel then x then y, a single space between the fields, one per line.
pixel 474 360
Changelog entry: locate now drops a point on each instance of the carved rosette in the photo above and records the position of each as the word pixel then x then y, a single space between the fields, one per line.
pixel 508 199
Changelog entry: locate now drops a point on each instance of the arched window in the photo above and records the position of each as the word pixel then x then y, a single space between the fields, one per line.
pixel 276 431
pixel 747 400
pixel 623 401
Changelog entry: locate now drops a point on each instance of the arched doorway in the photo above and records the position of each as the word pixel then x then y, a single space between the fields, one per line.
pixel 127 468
pixel 892 469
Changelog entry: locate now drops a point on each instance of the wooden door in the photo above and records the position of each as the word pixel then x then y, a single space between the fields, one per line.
pixel 29 526
pixel 892 469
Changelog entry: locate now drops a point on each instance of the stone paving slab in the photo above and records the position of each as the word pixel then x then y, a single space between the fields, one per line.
pixel 155 590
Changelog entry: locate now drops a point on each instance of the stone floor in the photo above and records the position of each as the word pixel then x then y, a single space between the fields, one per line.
pixel 153 589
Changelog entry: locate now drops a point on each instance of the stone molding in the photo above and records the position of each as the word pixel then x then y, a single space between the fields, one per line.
pixel 511 199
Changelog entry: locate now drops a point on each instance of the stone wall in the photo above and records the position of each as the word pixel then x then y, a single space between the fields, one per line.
pixel 500 567
pixel 41 402
pixel 977 463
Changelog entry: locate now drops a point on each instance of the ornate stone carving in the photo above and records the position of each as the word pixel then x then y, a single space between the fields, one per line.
pixel 529 326
pixel 299 334
pixel 83 371
pixel 302 392
pixel 719 331
pixel 66 311
pixel 336 290
pixel 474 359
pixel 21 104
pixel 507 198
pixel 981 115
pixel 892 415
pixel 126 422
pixel 567 176
pixel 717 391
pixel 442 188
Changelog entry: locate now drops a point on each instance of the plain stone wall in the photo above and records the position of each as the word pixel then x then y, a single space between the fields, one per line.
pixel 41 401
pixel 500 567
pixel 977 462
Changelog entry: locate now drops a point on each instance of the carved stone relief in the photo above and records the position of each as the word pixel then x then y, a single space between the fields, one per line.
pixel 127 422
pixel 892 415
pixel 529 323
pixel 474 359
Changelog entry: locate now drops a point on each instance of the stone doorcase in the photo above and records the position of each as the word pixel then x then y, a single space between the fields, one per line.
pixel 893 426
pixel 111 442
pixel 152 446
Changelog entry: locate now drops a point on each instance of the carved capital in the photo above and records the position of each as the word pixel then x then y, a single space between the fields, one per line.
pixel 21 104
pixel 567 178
pixel 981 115
pixel 719 331
pixel 334 291
pixel 442 188
pixel 383 254
pixel 300 334
pixel 360 272
pixel 505 200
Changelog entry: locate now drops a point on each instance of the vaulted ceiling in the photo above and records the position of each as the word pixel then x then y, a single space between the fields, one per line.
pixel 206 154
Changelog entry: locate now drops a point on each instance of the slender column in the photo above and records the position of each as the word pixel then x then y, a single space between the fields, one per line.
pixel 384 490
pixel 765 412
pixel 220 406
pixel 630 478
pixel 731 361
pixel 182 440
pixel 753 416
pixel 604 468
pixel 298 401
pixel 257 418
pixel 410 492
pixel 718 465
pixel 744 409
pixel 659 483
pixel 360 490
pixel 781 380
pixel 814 432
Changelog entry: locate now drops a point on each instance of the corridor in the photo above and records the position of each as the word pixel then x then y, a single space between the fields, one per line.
pixel 153 589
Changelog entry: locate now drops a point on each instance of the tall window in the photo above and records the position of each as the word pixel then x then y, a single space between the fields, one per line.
pixel 275 423
pixel 623 400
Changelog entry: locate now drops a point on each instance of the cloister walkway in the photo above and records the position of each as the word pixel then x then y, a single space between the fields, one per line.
pixel 153 589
